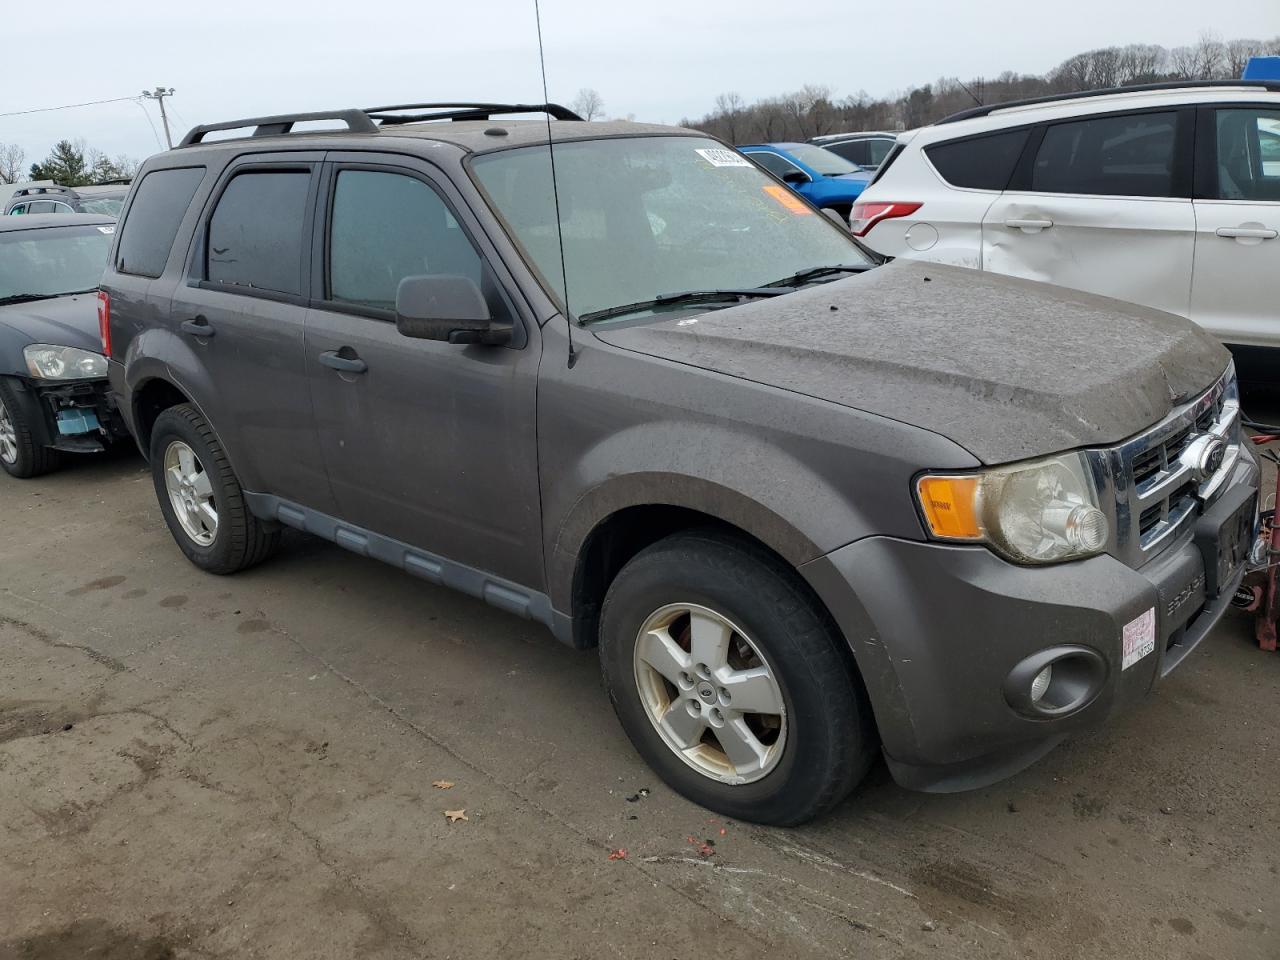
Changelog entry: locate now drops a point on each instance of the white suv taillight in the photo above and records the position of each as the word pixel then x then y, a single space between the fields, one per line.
pixel 864 216
pixel 104 321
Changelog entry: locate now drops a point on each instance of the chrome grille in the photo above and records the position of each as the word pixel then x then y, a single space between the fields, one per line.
pixel 1154 484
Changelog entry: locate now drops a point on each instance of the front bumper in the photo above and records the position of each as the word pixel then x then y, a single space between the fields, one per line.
pixel 78 416
pixel 937 630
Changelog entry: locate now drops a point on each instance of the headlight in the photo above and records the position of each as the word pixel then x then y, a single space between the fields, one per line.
pixel 1041 511
pixel 63 363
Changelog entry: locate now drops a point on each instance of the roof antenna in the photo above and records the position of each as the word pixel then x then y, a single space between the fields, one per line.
pixel 555 189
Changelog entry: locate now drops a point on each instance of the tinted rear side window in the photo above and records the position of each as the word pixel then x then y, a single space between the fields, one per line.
pixel 979 163
pixel 149 229
pixel 855 151
pixel 1118 156
pixel 255 233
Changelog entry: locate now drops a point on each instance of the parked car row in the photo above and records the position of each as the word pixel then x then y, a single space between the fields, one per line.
pixel 105 199
pixel 620 380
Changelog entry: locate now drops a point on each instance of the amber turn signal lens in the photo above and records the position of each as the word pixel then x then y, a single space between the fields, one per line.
pixel 949 505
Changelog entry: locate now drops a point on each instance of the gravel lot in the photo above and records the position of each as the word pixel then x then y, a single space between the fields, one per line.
pixel 205 767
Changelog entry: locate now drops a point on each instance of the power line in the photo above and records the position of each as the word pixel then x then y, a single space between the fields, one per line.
pixel 150 123
pixel 66 106
pixel 158 95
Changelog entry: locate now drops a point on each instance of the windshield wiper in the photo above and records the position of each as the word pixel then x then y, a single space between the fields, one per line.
pixel 26 297
pixel 817 273
pixel 685 297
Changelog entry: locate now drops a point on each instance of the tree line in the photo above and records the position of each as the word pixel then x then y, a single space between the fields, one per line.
pixel 814 110
pixel 71 163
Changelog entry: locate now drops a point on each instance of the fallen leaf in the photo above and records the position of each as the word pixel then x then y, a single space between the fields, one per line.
pixel 442 784
pixel 456 815
pixel 619 854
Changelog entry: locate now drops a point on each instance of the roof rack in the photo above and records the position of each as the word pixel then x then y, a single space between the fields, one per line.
pixel 363 121
pixel 463 111
pixel 1270 85
pixel 51 188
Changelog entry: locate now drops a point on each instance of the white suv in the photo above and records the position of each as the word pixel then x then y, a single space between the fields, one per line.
pixel 1166 195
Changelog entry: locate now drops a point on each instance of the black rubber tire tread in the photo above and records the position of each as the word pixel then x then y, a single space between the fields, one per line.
pixel 242 540
pixel 769 599
pixel 34 460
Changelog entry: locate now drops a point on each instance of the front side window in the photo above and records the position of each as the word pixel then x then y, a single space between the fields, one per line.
pixel 824 162
pixel 388 226
pixel 154 216
pixel 777 165
pixel 979 163
pixel 52 261
pixel 646 216
pixel 255 233
pixel 1123 156
pixel 18 210
pixel 1248 154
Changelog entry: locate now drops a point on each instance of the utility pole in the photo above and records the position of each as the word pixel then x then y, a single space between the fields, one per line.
pixel 158 95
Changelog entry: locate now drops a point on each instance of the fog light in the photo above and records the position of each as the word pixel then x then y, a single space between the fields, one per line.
pixel 1041 683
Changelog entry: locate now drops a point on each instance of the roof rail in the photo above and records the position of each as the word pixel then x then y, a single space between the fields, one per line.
pixel 389 116
pixel 50 188
pixel 1270 85
pixel 357 121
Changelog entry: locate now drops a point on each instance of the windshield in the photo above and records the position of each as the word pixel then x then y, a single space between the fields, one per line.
pixel 106 206
pixel 52 261
pixel 648 216
pixel 824 161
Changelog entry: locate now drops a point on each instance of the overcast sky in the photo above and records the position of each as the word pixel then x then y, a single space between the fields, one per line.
pixel 660 59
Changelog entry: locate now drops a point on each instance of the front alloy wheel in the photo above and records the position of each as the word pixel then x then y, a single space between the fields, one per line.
pixel 710 693
pixel 8 436
pixel 190 493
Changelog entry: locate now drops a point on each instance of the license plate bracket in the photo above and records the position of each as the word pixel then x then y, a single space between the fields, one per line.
pixel 1224 535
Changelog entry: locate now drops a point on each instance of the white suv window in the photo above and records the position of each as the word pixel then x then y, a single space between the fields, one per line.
pixel 1248 154
pixel 1130 155
pixel 980 163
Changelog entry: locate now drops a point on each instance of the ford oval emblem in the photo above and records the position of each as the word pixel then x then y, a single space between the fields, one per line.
pixel 1211 458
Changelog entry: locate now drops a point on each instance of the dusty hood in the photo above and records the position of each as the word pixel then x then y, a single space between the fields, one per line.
pixel 1006 368
pixel 62 321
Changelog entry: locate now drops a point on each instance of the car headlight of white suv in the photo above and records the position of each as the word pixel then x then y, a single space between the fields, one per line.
pixel 48 362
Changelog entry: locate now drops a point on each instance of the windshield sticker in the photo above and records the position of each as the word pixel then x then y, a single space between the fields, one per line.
pixel 1139 638
pixel 721 157
pixel 107 230
pixel 787 199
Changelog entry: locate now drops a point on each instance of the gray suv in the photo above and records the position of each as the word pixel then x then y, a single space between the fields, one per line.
pixel 629 386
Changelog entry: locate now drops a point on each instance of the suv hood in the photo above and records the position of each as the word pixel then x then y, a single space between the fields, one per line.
pixel 62 321
pixel 1007 368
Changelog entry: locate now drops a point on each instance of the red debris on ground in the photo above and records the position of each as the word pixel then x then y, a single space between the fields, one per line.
pixel 619 854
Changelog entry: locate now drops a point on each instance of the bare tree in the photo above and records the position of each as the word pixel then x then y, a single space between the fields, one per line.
pixel 588 104
pixel 728 107
pixel 1236 54
pixel 13 160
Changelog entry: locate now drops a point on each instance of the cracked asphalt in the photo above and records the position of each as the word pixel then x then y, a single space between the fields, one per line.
pixel 193 766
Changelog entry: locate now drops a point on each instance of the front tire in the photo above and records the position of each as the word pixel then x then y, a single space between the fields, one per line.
pixel 730 682
pixel 20 455
pixel 201 498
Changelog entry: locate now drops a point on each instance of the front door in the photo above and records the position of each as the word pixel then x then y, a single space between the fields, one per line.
pixel 1104 205
pixel 429 443
pixel 1236 289
pixel 241 309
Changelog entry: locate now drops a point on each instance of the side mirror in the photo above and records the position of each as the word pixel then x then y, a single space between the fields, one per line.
pixel 796 177
pixel 447 308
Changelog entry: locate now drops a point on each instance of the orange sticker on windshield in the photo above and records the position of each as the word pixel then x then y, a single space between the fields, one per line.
pixel 787 199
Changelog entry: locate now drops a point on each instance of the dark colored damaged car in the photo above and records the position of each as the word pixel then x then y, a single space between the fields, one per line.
pixel 810 510
pixel 53 376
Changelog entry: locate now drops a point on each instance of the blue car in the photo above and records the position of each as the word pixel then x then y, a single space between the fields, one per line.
pixel 827 181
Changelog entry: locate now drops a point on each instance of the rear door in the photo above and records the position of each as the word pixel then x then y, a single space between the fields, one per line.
pixel 1102 203
pixel 429 443
pixel 1235 290
pixel 241 309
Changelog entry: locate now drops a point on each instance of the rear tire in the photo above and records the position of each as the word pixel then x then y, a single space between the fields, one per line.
pixel 20 455
pixel 201 498
pixel 712 738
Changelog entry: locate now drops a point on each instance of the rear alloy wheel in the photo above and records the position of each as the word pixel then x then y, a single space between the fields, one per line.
pixel 20 455
pixel 731 682
pixel 190 493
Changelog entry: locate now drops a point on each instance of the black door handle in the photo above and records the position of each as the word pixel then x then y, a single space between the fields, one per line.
pixel 198 327
pixel 336 361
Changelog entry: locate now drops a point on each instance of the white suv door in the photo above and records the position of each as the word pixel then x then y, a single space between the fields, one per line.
pixel 1103 204
pixel 1235 290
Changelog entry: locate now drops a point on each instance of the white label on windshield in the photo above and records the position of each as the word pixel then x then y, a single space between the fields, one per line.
pixel 720 157
pixel 106 229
